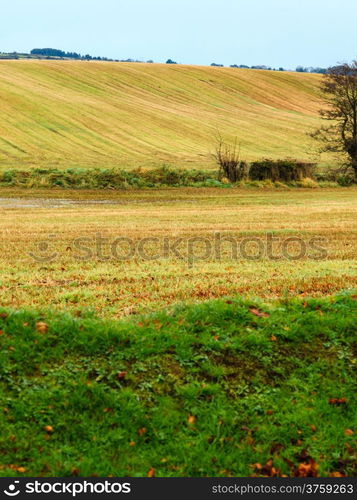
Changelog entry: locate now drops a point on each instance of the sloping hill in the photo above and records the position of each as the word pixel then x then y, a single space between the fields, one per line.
pixel 63 113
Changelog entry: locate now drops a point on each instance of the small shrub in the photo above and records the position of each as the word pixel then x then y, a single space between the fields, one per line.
pixel 346 179
pixel 227 157
pixel 341 176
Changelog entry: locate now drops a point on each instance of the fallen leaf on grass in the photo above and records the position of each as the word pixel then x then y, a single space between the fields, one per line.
pixel 307 469
pixel 260 314
pixel 337 401
pixel 151 472
pixel 48 428
pixel 191 420
pixel 142 431
pixel 42 327
pixel 267 470
pixel 348 432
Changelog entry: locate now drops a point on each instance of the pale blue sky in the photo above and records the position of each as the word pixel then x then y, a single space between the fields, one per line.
pixel 272 32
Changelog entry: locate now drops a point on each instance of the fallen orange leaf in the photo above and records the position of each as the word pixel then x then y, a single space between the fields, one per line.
pixel 337 401
pixel 307 469
pixel 42 327
pixel 348 432
pixel 260 314
pixel 151 472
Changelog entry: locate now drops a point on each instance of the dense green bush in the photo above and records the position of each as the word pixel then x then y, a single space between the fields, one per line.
pixel 105 178
pixel 281 170
pixel 263 174
pixel 341 178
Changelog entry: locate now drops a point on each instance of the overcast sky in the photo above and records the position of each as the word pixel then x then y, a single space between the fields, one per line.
pixel 271 32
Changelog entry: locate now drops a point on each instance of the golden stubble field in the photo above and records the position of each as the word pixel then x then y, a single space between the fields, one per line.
pixel 72 252
pixel 97 114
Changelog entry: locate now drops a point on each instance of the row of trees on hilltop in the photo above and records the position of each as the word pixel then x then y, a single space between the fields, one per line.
pixel 61 54
pixel 299 69
pixel 49 53
pixel 54 53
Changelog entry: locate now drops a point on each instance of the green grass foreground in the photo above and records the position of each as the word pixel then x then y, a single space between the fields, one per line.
pixel 228 387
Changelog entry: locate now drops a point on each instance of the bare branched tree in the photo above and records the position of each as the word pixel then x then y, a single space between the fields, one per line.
pixel 339 87
pixel 227 157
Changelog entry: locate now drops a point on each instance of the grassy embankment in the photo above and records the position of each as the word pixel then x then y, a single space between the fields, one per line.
pixel 226 388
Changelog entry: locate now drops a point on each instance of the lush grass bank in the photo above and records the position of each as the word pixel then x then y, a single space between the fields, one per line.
pixel 228 387
pixel 166 176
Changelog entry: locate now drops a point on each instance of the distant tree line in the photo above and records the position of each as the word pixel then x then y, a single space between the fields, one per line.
pixel 299 69
pixel 49 53
pixel 54 53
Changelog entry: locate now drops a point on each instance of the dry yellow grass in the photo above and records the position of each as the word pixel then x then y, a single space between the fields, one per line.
pixel 116 288
pixel 97 114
